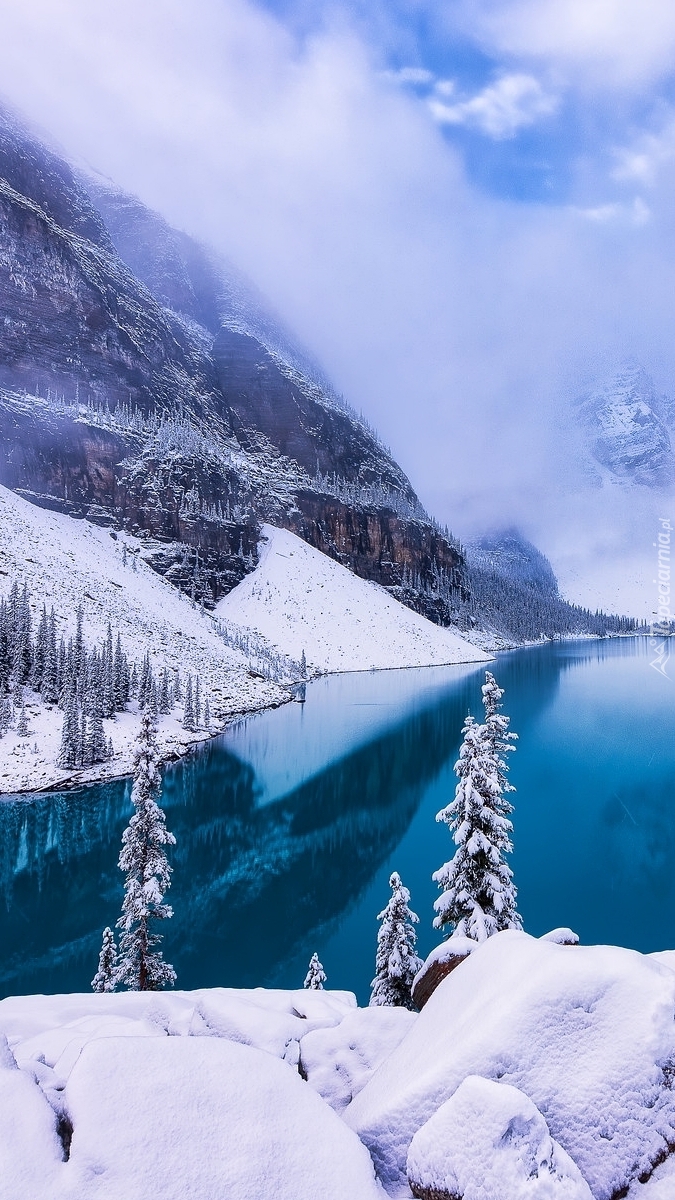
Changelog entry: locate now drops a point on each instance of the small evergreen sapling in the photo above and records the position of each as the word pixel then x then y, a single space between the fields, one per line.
pixel 148 874
pixel 316 976
pixel 396 963
pixel 479 897
pixel 105 979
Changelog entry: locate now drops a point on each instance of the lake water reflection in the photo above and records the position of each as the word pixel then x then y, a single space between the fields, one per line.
pixel 289 825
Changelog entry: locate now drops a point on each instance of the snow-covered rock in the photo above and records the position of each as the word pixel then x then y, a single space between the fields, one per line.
pixel 586 1032
pixel 339 1060
pixel 442 960
pixel 299 599
pixel 53 1030
pixel 202 1118
pixel 562 936
pixel 228 1114
pixel 489 1142
pixel 30 1150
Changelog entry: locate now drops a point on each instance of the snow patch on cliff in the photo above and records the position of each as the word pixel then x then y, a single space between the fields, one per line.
pixel 67 562
pixel 299 599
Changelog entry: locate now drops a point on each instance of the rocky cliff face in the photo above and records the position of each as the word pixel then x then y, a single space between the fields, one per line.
pixel 143 383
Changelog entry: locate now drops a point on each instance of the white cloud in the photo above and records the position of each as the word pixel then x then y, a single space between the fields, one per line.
pixel 616 42
pixel 644 160
pixel 501 109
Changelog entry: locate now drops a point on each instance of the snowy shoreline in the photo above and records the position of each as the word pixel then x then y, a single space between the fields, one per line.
pixel 243 665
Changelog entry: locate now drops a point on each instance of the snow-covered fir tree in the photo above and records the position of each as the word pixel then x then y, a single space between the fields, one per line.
pixel 478 893
pixel 396 963
pixel 316 976
pixel 141 966
pixel 105 979
pixel 188 711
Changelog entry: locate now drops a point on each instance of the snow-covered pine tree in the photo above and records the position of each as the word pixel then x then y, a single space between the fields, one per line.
pixel 316 976
pixel 105 978
pixel 188 712
pixel 49 682
pixel 78 646
pixel 98 747
pixel 69 734
pixel 22 723
pixel 164 698
pixel 396 963
pixel 478 894
pixel 141 967
pixel 198 703
pixel 207 714
pixel 303 666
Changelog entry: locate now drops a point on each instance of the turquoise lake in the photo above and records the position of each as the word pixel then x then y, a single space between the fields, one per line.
pixel 289 824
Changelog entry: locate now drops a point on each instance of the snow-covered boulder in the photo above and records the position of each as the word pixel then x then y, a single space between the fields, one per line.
pixel 587 1032
pixel 442 960
pixel 31 1153
pixel 489 1142
pixel 562 936
pixel 338 1061
pixel 51 1031
pixel 204 1118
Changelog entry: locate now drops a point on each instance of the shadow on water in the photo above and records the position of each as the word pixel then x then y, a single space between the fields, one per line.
pixel 259 885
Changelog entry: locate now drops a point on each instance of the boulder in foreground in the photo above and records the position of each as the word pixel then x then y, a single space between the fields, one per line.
pixel 586 1032
pixel 489 1142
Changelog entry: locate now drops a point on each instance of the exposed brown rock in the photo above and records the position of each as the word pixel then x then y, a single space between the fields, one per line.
pixel 437 967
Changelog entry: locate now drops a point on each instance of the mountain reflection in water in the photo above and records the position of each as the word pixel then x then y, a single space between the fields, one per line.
pixel 285 838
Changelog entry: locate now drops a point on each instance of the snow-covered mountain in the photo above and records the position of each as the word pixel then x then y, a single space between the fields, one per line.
pixel 144 385
pixel 627 429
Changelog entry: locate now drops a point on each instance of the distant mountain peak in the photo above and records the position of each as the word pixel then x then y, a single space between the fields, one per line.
pixel 625 427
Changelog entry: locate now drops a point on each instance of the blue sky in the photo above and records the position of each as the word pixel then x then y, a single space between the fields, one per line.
pixel 529 127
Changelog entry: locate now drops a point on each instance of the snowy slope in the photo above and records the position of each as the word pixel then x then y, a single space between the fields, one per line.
pixel 300 599
pixel 66 562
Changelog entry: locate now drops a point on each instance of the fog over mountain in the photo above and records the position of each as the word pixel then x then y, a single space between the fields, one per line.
pixel 466 248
